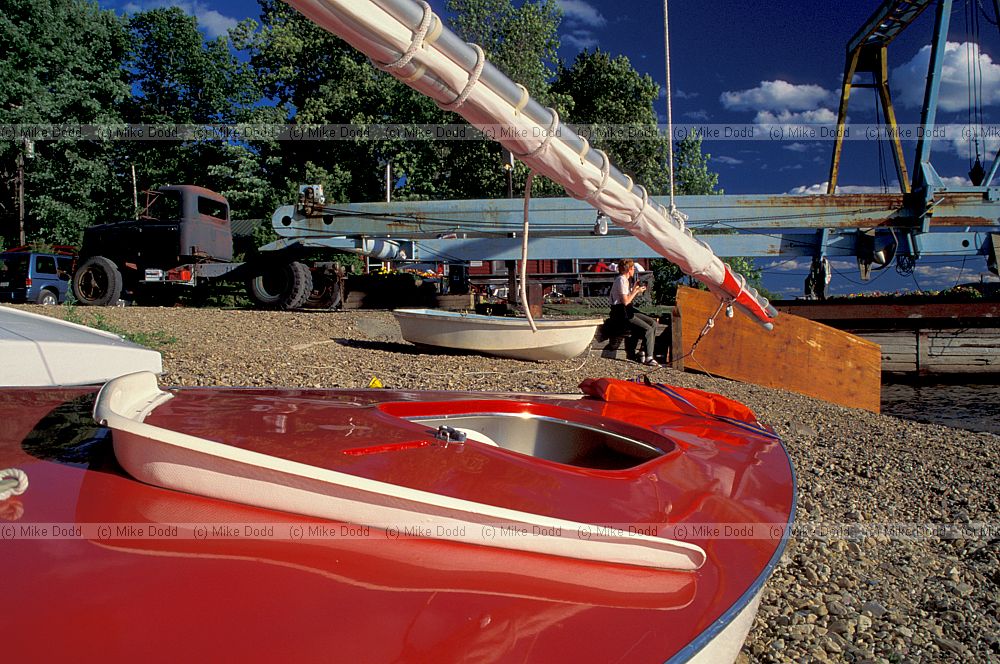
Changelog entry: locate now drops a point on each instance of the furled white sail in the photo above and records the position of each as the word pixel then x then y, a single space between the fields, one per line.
pixel 408 40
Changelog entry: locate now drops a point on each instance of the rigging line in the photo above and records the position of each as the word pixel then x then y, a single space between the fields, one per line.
pixel 441 222
pixel 451 258
pixel 968 73
pixel 982 11
pixel 959 279
pixel 670 118
pixel 979 65
pixel 842 275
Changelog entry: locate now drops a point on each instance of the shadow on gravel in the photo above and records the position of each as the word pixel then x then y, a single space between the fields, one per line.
pixel 396 347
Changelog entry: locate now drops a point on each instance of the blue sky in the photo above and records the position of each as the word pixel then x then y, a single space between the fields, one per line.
pixel 759 63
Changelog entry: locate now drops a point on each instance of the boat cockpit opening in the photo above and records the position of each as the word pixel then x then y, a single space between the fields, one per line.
pixel 548 438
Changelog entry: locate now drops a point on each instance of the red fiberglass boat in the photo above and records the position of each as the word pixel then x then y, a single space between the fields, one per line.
pixel 634 521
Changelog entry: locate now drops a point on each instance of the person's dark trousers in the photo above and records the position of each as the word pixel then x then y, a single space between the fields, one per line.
pixel 641 324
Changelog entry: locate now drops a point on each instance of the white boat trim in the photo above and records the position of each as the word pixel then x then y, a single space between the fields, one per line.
pixel 182 462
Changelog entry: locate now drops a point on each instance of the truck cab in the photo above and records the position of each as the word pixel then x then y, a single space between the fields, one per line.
pixel 180 226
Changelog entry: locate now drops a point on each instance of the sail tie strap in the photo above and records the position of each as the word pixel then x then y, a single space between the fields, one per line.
pixel 474 75
pixel 418 41
pixel 550 132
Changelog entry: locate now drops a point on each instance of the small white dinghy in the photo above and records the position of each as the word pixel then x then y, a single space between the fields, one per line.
pixel 38 351
pixel 497 335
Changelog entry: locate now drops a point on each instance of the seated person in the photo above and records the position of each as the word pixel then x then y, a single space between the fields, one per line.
pixel 623 314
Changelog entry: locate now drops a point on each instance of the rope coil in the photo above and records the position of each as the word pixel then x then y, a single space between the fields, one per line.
pixel 13 482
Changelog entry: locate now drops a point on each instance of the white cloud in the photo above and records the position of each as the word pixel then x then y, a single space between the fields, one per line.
pixel 792 265
pixel 681 94
pixel 580 39
pixel 956 181
pixel 823 116
pixel 700 115
pixel 961 143
pixel 798 147
pixel 580 12
pixel 909 80
pixel 813 189
pixel 778 96
pixel 211 21
pixel 728 161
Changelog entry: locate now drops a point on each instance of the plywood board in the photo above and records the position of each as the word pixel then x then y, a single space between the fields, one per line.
pixel 799 355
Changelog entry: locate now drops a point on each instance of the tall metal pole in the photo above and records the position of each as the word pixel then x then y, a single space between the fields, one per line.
pixel 135 195
pixel 20 195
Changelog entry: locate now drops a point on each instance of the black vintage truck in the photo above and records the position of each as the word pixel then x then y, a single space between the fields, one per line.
pixel 183 239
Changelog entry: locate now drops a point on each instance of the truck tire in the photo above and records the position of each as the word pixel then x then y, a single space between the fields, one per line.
pixel 281 286
pixel 97 282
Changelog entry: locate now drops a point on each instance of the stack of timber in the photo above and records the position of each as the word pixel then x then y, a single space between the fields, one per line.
pixel 799 355
pixel 929 339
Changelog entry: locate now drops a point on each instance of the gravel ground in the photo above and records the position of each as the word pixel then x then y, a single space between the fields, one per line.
pixel 833 598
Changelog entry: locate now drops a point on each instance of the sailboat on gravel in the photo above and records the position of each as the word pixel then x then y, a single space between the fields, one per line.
pixel 632 520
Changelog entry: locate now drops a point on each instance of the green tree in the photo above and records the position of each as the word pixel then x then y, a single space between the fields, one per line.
pixel 522 42
pixel 61 63
pixel 179 77
pixel 691 174
pixel 608 92
pixel 317 79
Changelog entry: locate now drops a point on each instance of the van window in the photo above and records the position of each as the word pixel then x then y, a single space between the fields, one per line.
pixel 210 208
pixel 65 265
pixel 12 266
pixel 45 265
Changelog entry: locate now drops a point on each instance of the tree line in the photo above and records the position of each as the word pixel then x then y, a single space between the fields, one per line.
pixel 70 62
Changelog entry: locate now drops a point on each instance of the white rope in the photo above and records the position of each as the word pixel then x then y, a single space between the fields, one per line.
pixel 474 75
pixel 645 202
pixel 524 252
pixel 13 482
pixel 670 117
pixel 605 176
pixel 416 44
pixel 553 128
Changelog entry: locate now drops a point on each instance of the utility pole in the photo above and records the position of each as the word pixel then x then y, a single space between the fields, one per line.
pixel 27 150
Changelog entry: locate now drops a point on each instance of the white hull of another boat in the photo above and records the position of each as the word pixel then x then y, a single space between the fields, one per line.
pixel 495 335
pixel 38 351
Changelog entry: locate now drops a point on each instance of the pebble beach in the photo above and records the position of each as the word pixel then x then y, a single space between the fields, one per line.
pixel 872 593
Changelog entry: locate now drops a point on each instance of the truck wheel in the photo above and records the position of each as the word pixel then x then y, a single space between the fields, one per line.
pixel 47 297
pixel 281 286
pixel 327 293
pixel 97 282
